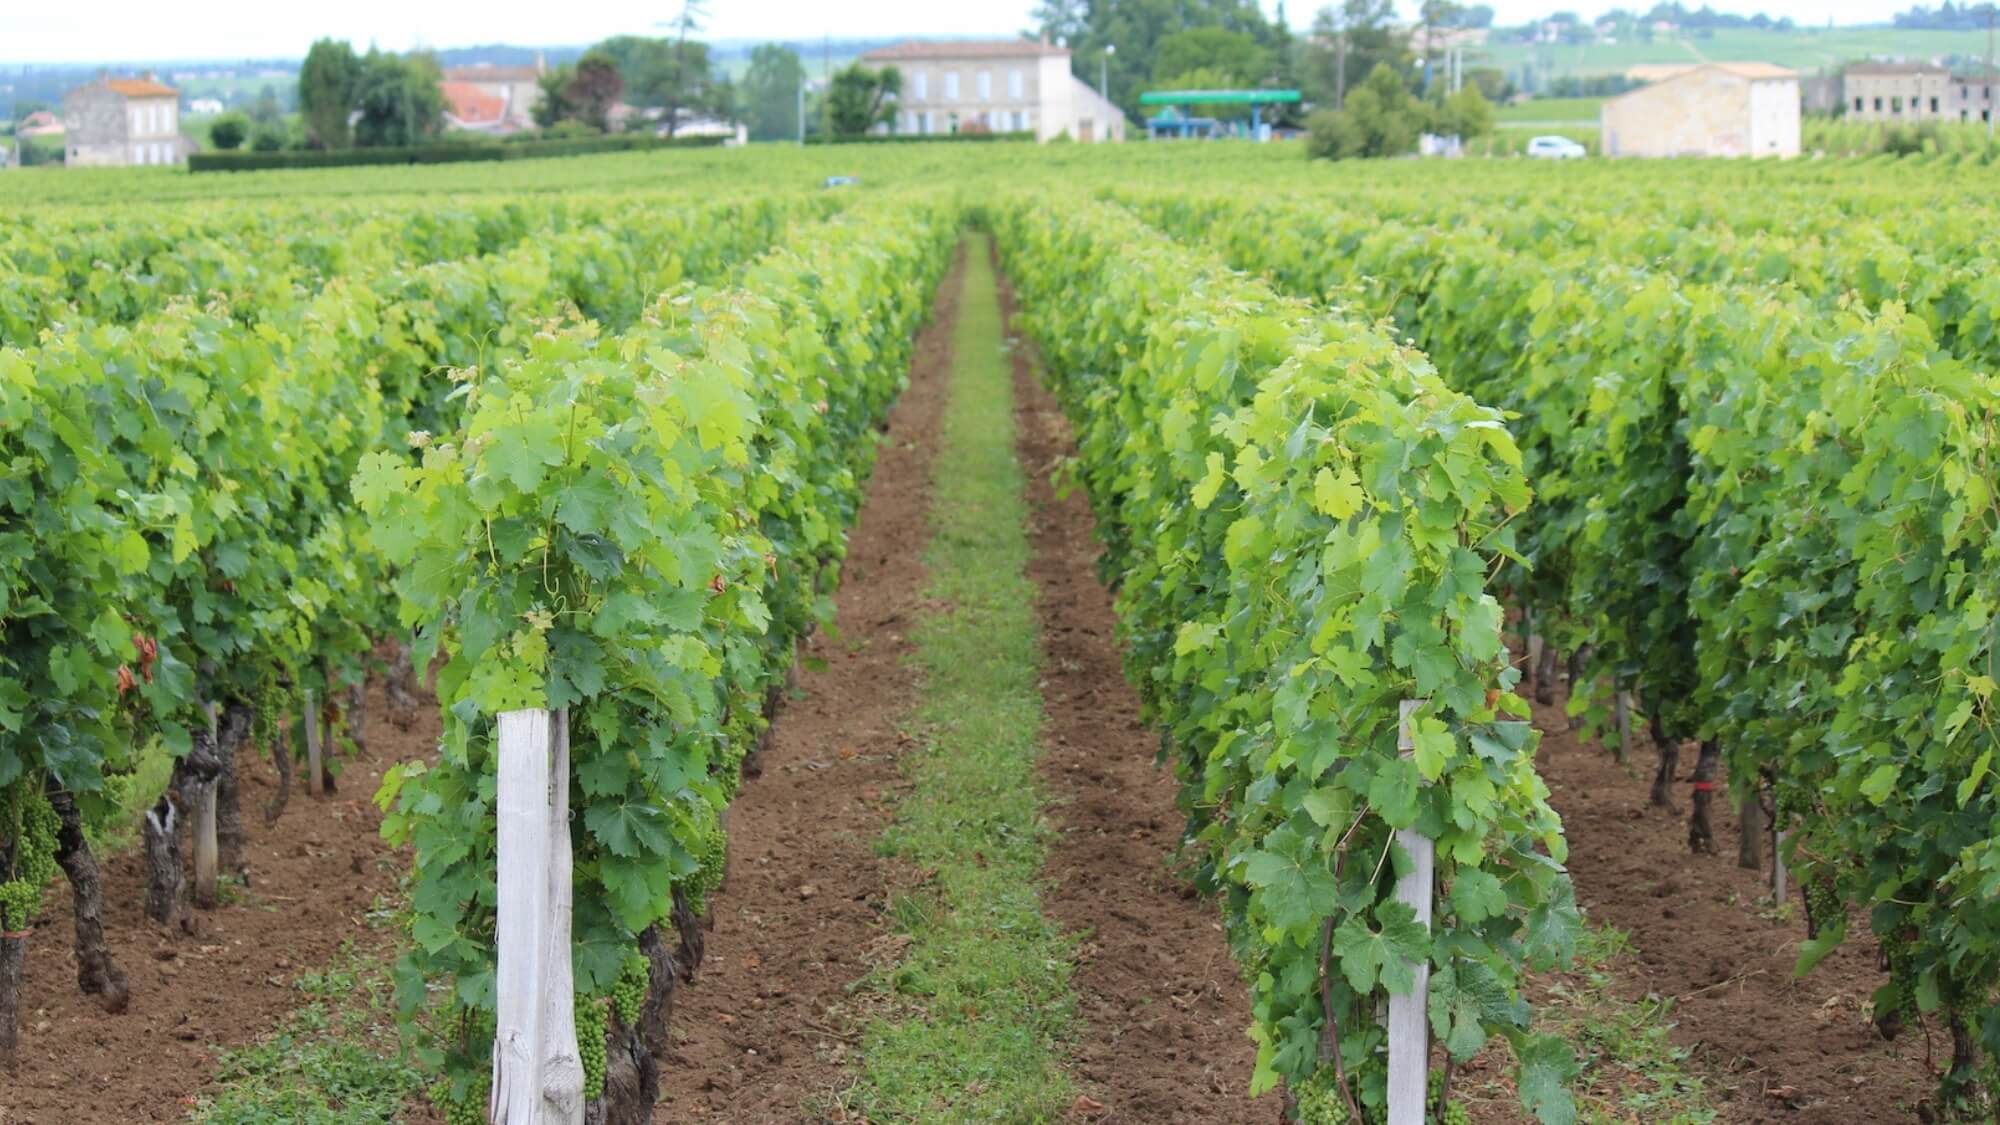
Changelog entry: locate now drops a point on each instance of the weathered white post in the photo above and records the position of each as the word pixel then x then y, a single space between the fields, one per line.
pixel 312 741
pixel 205 889
pixel 537 1072
pixel 1409 1035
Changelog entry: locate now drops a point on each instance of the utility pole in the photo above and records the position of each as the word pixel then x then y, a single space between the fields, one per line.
pixel 1340 70
pixel 802 106
pixel 1989 76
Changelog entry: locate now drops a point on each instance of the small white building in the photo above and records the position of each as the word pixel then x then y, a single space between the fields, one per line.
pixel 1000 86
pixel 1712 109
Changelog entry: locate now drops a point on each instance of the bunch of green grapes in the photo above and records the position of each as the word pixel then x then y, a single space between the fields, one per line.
pixel 628 995
pixel 711 850
pixel 1823 904
pixel 1319 1101
pixel 26 818
pixel 457 1111
pixel 591 1016
pixel 269 702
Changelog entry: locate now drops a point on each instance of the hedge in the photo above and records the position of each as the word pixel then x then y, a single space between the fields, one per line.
pixel 435 153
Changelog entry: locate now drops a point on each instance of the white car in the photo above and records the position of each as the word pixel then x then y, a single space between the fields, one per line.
pixel 1556 148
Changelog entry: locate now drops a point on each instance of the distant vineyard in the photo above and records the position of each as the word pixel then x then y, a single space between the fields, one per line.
pixel 1356 440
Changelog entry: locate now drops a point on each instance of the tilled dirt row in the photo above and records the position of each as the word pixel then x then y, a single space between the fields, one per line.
pixel 767 1032
pixel 1163 1006
pixel 314 877
pixel 1776 1048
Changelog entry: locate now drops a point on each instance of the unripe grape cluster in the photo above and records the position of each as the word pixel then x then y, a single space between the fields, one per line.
pixel 628 995
pixel 591 1016
pixel 27 818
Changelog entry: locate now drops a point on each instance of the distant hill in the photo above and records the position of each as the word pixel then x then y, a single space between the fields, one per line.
pixel 1805 49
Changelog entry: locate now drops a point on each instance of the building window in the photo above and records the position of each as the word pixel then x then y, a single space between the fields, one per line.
pixel 920 87
pixel 1878 105
pixel 1933 105
pixel 1857 105
pixel 1895 105
pixel 951 121
pixel 1019 124
pixel 985 85
pixel 951 88
pixel 1014 83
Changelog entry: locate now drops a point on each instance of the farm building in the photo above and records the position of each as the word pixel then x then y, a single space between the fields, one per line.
pixel 1005 86
pixel 1714 109
pixel 473 91
pixel 124 121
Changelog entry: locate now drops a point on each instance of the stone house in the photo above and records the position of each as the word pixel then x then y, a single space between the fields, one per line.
pixel 1969 97
pixel 1001 86
pixel 1714 109
pixel 1904 92
pixel 121 121
pixel 517 88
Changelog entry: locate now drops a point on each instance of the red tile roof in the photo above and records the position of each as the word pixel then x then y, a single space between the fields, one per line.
pixel 484 73
pixel 964 49
pixel 141 88
pixel 470 105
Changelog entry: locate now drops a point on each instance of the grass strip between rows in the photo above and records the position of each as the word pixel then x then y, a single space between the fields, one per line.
pixel 983 996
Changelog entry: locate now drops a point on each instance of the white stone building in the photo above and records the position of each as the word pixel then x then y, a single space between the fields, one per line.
pixel 119 121
pixel 1714 109
pixel 1001 86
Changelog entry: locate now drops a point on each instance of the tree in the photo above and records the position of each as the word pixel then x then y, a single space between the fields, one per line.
pixel 1381 118
pixel 1233 54
pixel 553 106
pixel 266 110
pixel 228 132
pixel 670 74
pixel 594 87
pixel 771 92
pixel 267 138
pixel 1350 41
pixel 858 99
pixel 1465 115
pixel 1136 28
pixel 327 82
pixel 398 100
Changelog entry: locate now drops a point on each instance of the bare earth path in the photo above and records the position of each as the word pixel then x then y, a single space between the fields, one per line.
pixel 769 1025
pixel 1163 1006
pixel 315 876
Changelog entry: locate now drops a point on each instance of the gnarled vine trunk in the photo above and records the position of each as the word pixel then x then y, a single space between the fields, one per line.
pixel 281 758
pixel 96 974
pixel 400 687
pixel 1670 765
pixel 1545 675
pixel 1701 825
pixel 13 951
pixel 166 881
pixel 357 718
pixel 633 1052
pixel 238 719
pixel 1750 833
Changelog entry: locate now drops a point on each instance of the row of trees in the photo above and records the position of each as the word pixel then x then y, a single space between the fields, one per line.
pixel 380 98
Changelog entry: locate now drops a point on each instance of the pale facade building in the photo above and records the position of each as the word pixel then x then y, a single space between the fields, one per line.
pixel 517 89
pixel 1713 109
pixel 1907 92
pixel 1001 86
pixel 123 121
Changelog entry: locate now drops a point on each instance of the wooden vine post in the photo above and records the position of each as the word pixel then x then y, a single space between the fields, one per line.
pixel 206 892
pixel 1409 1034
pixel 313 750
pixel 537 1071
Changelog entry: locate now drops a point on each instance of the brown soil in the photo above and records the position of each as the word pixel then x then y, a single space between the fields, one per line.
pixel 1156 984
pixel 1773 1047
pixel 313 879
pixel 767 1032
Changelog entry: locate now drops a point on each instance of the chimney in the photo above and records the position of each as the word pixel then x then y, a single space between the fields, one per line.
pixel 152 76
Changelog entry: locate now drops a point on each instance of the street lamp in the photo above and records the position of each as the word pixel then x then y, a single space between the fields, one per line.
pixel 1104 70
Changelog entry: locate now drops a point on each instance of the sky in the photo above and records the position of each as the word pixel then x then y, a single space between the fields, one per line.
pixel 41 31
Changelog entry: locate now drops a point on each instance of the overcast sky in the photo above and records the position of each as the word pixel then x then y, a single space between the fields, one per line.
pixel 130 30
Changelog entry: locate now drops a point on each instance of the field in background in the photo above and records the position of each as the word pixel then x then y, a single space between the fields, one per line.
pixel 1801 50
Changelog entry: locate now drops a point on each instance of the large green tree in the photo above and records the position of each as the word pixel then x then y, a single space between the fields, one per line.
pixel 1381 118
pixel 1233 54
pixel 770 92
pixel 1350 41
pixel 858 99
pixel 1137 28
pixel 669 74
pixel 594 87
pixel 327 84
pixel 397 99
